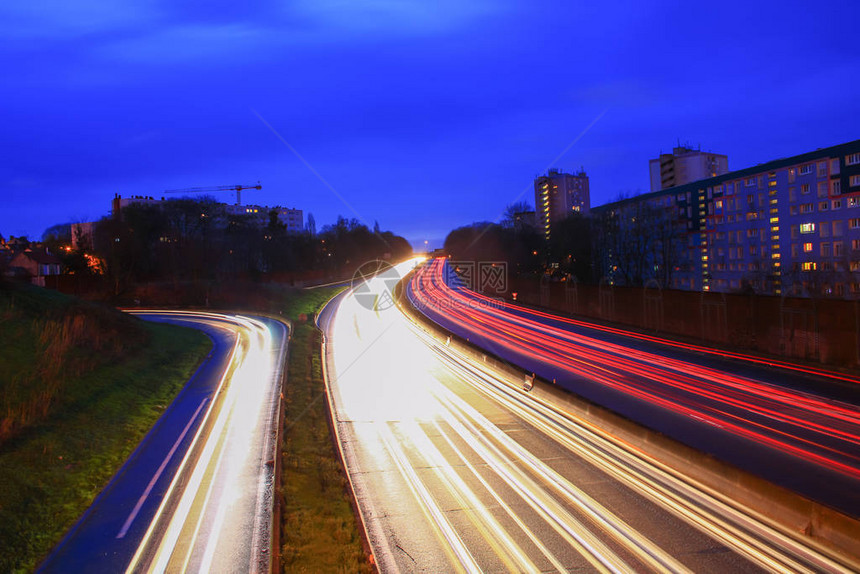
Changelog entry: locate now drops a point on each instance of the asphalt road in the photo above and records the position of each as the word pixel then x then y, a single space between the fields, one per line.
pixel 455 468
pixel 196 495
pixel 792 425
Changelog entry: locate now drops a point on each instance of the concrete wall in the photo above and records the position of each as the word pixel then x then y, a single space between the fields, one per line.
pixel 821 330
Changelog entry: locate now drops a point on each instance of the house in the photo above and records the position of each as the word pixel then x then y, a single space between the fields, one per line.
pixel 35 264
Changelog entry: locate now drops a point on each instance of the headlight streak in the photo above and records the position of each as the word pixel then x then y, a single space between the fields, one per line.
pixel 362 390
pixel 461 557
pixel 746 531
pixel 534 538
pixel 475 428
pixel 687 389
pixel 230 431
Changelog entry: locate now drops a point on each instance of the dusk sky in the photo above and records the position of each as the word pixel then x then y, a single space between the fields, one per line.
pixel 423 116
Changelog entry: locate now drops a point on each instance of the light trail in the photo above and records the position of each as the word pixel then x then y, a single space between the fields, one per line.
pixel 210 515
pixel 800 424
pixel 461 470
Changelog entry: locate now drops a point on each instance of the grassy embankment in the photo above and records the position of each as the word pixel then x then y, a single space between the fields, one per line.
pixel 319 532
pixel 80 384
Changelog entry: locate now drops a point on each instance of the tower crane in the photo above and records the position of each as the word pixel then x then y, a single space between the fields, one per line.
pixel 237 188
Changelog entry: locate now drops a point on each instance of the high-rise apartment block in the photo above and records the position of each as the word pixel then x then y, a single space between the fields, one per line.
pixel 557 195
pixel 685 165
pixel 787 226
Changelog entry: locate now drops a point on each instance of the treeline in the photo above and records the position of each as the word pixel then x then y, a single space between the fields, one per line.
pixel 630 245
pixel 193 240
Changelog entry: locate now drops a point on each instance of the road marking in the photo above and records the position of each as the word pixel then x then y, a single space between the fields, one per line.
pixel 157 475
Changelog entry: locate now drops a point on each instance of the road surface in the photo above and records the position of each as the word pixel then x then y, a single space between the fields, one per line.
pixel 196 495
pixel 456 469
pixel 796 426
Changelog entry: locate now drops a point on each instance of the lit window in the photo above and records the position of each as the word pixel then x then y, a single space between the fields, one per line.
pixel 807 247
pixel 807 228
pixel 809 266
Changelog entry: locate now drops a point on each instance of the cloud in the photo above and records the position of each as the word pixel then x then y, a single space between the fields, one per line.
pixel 61 19
pixel 393 17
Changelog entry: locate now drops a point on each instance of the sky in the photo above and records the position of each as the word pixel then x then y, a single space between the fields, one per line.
pixel 421 116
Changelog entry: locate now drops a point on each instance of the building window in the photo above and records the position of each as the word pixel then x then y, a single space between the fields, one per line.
pixel 855 244
pixel 852 159
pixel 807 228
pixel 854 181
pixel 807 208
pixel 854 223
pixel 822 169
pixel 837 228
pixel 753 250
pixel 750 182
pixel 808 266
pixel 792 210
pixel 822 189
pixel 837 249
pixel 836 187
pixel 804 188
pixel 853 201
pixel 824 206
pixel 805 169
pixel 807 247
pixel 825 249
pixel 836 204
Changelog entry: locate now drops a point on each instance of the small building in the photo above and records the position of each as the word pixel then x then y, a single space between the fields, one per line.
pixel 36 264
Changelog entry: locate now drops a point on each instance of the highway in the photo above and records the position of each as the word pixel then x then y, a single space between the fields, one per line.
pixel 196 495
pixel 777 420
pixel 457 469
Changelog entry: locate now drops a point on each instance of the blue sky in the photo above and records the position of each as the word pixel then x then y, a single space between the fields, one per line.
pixel 421 115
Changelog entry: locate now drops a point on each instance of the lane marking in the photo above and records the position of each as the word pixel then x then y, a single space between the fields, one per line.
pixel 157 475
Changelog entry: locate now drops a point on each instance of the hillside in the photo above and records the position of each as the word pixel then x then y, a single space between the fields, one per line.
pixel 80 384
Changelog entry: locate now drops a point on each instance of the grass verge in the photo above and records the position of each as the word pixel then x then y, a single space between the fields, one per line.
pixel 53 467
pixel 319 532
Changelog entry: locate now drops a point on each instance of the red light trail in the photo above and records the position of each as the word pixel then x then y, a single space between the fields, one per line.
pixel 800 424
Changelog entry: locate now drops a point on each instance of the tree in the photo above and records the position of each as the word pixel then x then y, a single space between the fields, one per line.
pixel 571 247
pixel 509 216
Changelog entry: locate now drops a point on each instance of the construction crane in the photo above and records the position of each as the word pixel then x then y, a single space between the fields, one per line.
pixel 237 188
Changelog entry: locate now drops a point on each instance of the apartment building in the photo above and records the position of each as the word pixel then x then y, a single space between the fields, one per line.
pixel 292 218
pixel 788 226
pixel 685 165
pixel 557 195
